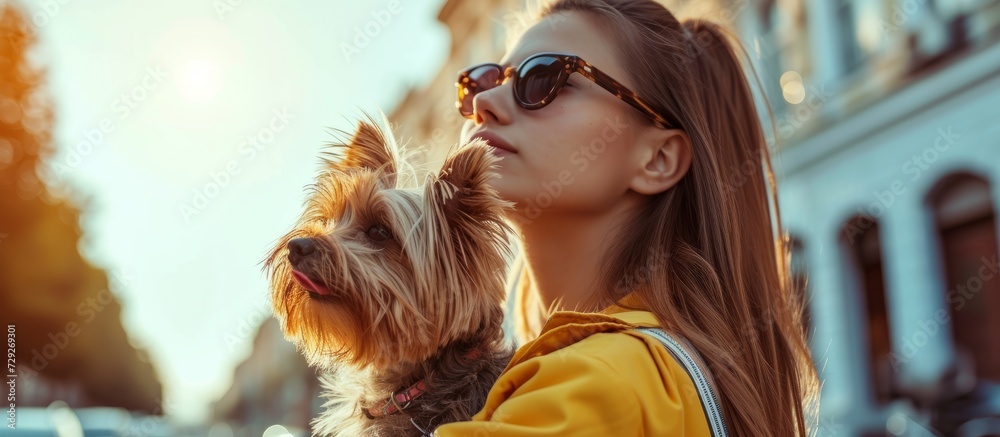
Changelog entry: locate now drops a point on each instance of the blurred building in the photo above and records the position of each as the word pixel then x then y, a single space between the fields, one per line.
pixel 273 386
pixel 426 116
pixel 887 144
pixel 889 159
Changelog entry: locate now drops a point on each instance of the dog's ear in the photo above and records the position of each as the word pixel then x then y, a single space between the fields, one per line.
pixel 463 184
pixel 369 148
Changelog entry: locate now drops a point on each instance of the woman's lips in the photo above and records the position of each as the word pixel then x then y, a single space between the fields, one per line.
pixel 309 285
pixel 502 146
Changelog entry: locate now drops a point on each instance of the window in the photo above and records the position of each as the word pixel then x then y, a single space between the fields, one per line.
pixel 864 269
pixel 965 218
pixel 784 51
pixel 865 28
pixel 850 54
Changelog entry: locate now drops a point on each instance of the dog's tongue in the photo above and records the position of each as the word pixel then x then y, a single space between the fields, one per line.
pixel 308 284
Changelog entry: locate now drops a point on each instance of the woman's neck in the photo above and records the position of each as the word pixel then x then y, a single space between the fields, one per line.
pixel 564 257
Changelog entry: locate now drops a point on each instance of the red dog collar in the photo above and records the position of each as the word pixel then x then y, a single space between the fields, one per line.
pixel 401 400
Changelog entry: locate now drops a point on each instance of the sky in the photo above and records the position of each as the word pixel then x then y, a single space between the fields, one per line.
pixel 189 128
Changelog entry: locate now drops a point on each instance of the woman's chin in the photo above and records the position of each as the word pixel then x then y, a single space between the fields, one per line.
pixel 503 187
pixel 526 207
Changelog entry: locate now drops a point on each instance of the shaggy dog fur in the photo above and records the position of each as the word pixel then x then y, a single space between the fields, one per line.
pixel 384 282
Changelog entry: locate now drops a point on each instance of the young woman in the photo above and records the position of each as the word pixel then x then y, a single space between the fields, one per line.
pixel 633 149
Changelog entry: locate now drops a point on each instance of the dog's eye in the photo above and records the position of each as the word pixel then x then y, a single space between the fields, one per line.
pixel 379 233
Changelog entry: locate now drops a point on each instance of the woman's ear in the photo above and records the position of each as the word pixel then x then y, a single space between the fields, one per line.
pixel 664 158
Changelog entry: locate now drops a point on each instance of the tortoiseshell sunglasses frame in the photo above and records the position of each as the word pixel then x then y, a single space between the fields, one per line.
pixel 571 64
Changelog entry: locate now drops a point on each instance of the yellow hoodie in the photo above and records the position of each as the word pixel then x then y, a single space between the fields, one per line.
pixel 590 374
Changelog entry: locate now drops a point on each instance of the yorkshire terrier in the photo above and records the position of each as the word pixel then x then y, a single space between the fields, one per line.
pixel 394 290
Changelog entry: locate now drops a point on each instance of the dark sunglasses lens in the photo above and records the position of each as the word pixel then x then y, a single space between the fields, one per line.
pixel 538 79
pixel 480 79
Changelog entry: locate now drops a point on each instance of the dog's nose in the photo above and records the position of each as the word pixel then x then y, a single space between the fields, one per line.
pixel 300 247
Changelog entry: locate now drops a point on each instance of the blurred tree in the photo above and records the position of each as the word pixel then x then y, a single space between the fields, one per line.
pixel 71 345
pixel 25 119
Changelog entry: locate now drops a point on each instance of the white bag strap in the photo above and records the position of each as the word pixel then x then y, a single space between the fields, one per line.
pixel 687 356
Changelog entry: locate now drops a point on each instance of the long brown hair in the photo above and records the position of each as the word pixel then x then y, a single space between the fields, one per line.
pixel 718 273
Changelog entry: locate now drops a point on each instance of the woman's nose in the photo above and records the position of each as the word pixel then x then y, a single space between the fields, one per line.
pixel 494 106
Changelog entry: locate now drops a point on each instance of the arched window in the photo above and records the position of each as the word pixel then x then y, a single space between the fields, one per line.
pixel 965 218
pixel 862 249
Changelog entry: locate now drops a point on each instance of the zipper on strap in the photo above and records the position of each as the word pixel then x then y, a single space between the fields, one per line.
pixel 710 402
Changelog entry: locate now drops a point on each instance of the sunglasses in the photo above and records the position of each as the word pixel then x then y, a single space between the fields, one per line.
pixel 538 80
